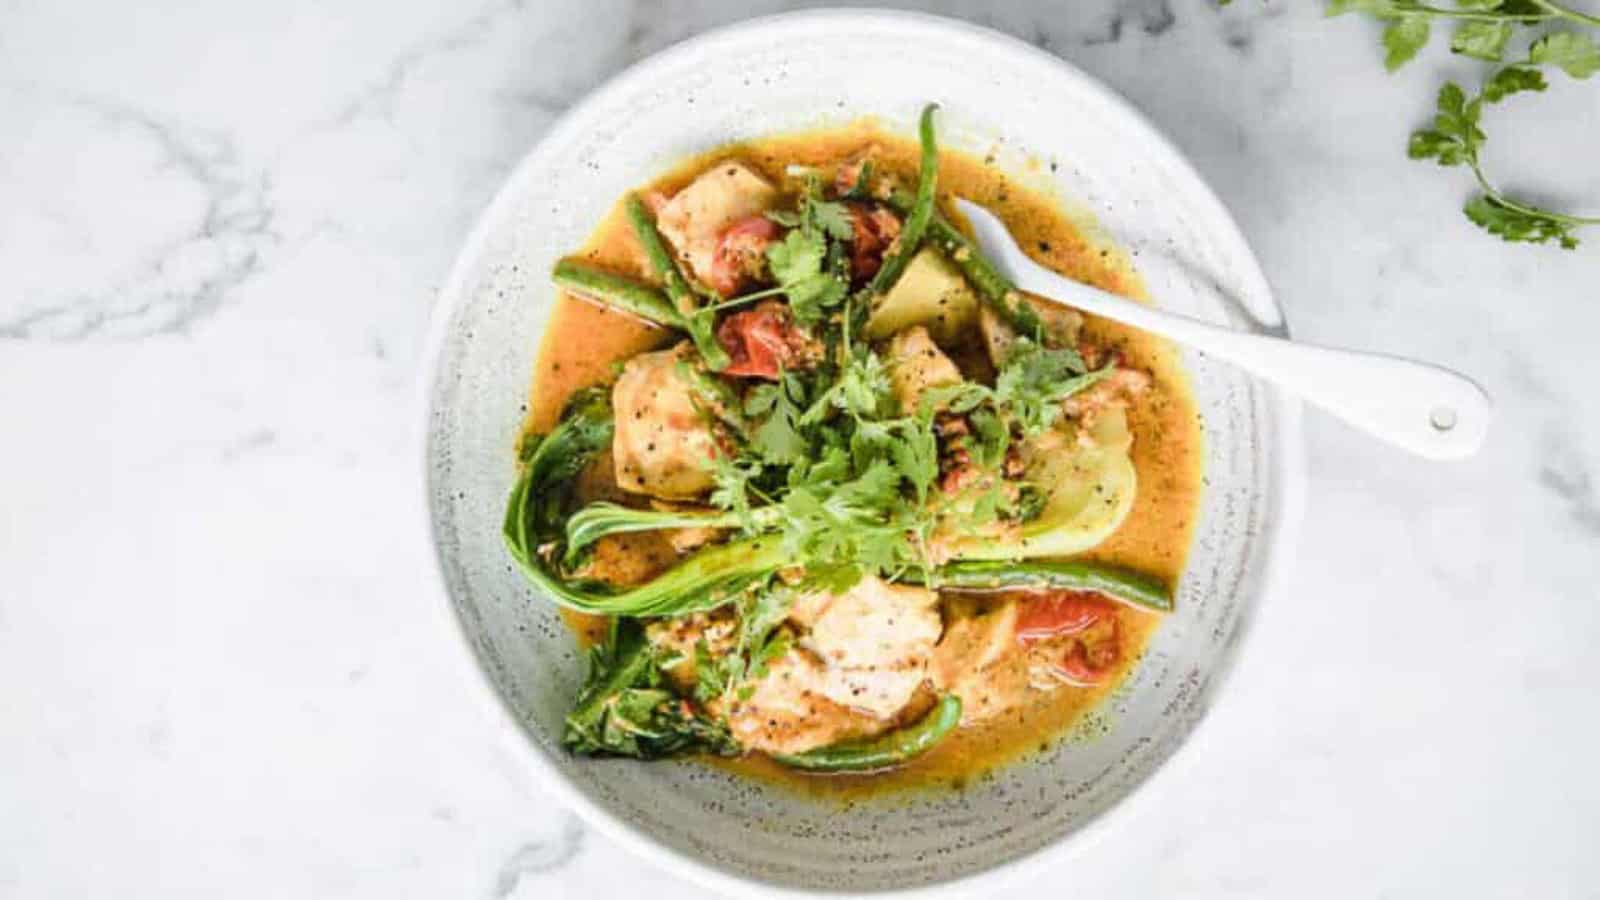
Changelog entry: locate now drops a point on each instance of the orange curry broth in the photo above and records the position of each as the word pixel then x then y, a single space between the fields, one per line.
pixel 584 341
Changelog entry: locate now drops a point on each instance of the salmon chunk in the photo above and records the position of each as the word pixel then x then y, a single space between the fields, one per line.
pixel 663 445
pixel 856 669
pixel 694 220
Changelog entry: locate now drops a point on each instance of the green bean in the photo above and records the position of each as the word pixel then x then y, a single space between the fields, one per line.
pixel 920 211
pixel 645 301
pixel 1125 585
pixel 644 228
pixel 620 291
pixel 995 288
pixel 700 324
pixel 891 749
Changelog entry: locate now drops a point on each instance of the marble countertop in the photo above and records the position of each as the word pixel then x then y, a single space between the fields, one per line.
pixel 223 226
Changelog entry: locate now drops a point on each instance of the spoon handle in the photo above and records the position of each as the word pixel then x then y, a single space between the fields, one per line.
pixel 1426 409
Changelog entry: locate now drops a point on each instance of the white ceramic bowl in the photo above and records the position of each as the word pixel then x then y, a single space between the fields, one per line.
pixel 781 74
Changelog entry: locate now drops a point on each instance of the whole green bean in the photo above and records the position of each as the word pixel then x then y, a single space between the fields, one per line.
pixel 1125 585
pixel 644 228
pixel 921 209
pixel 891 749
pixel 699 324
pixel 645 301
pixel 620 291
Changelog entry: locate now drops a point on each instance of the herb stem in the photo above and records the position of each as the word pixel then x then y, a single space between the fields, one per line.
pixel 1571 15
pixel 1508 203
pixel 1467 15
pixel 742 299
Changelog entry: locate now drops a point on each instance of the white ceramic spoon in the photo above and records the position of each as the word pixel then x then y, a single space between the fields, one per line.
pixel 1427 409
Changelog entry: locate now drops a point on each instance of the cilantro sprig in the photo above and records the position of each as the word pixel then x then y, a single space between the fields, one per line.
pixel 809 264
pixel 1456 137
pixel 1484 30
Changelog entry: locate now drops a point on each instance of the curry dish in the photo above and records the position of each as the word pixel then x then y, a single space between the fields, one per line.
pixel 822 493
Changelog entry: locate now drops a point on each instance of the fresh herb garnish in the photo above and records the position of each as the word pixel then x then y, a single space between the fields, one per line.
pixel 808 262
pixel 1484 29
pixel 798 264
pixel 1455 139
pixel 626 709
pixel 1035 379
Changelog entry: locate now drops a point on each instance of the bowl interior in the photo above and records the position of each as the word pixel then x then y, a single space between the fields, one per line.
pixel 996 95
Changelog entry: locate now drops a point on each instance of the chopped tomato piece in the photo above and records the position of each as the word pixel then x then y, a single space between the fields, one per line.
pixel 1060 612
pixel 741 254
pixel 762 341
pixel 875 229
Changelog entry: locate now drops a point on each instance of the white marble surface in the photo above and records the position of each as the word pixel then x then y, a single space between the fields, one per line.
pixel 222 227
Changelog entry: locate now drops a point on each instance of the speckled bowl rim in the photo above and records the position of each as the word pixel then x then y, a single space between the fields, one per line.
pixel 1288 477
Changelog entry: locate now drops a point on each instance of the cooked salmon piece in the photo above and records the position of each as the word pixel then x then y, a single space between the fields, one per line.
pixel 694 220
pixel 785 713
pixel 856 669
pixel 663 445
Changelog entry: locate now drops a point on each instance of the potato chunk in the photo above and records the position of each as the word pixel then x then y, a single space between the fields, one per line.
pixel 695 218
pixel 932 293
pixel 663 445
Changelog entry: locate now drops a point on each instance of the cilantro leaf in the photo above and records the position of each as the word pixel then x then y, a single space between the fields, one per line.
pixel 907 443
pixel 714 675
pixel 1481 40
pixel 778 439
pixel 1483 31
pixel 832 219
pixel 769 650
pixel 861 389
pixel 1456 116
pixel 731 478
pixel 1515 224
pixel 1455 136
pixel 852 523
pixel 960 398
pixel 797 263
pixel 1513 80
pixel 1403 38
pixel 990 438
pixel 796 258
pixel 1034 381
pixel 1573 52
pixel 916 455
pixel 1455 139
pixel 1429 143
